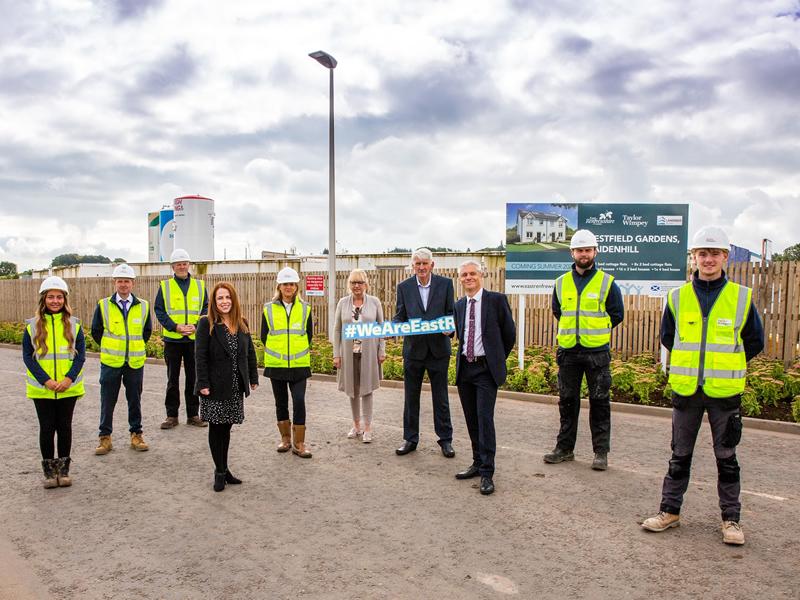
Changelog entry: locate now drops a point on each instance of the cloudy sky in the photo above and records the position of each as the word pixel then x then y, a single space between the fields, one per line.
pixel 445 111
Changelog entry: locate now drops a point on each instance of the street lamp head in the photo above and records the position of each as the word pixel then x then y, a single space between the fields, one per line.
pixel 323 58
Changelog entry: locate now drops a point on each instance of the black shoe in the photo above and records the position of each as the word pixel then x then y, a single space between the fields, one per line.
pixel 487 485
pixel 406 448
pixel 219 481
pixel 468 473
pixel 558 455
pixel 229 478
pixel 447 450
pixel 600 462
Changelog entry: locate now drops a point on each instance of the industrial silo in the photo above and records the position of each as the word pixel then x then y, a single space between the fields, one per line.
pixel 166 242
pixel 153 235
pixel 194 226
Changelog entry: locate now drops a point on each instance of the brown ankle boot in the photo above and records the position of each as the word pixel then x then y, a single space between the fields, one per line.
pixel 299 446
pixel 50 470
pixel 285 427
pixel 64 480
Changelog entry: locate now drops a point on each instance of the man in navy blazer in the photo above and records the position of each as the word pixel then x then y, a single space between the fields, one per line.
pixel 425 296
pixel 486 333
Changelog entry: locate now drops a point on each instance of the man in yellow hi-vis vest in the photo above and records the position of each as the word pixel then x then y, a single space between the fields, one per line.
pixel 179 304
pixel 122 326
pixel 712 329
pixel 587 304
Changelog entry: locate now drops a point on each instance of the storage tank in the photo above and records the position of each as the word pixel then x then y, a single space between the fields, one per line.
pixel 153 235
pixel 194 226
pixel 166 240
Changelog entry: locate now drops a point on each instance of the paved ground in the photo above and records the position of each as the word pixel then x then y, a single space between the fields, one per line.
pixel 358 521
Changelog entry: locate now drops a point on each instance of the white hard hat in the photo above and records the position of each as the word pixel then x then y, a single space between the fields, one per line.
pixel 54 283
pixel 711 237
pixel 179 255
pixel 288 275
pixel 583 238
pixel 123 271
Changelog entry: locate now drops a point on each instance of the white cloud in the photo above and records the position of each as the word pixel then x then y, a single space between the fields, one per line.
pixel 445 112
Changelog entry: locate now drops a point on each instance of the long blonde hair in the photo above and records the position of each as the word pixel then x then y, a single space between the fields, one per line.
pixel 40 330
pixel 238 322
pixel 278 296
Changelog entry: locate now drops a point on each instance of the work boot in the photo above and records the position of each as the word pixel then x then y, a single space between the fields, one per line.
pixel 600 462
pixel 661 522
pixel 64 480
pixel 299 446
pixel 105 446
pixel 732 533
pixel 49 469
pixel 138 443
pixel 285 428
pixel 169 423
pixel 558 455
pixel 196 421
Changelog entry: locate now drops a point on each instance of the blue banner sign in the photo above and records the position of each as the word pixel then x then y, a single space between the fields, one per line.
pixel 361 331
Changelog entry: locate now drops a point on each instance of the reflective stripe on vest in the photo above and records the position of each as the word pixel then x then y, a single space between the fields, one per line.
pixel 287 341
pixel 709 351
pixel 182 308
pixel 57 361
pixel 584 319
pixel 122 337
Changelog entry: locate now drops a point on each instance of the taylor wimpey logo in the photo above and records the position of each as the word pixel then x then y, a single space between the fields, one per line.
pixel 634 221
pixel 604 218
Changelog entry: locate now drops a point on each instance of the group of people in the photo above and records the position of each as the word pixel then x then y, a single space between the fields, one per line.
pixel 710 325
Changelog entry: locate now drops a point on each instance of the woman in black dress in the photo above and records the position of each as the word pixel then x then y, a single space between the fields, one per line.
pixel 226 372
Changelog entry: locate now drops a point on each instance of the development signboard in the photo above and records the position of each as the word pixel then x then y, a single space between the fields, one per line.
pixel 642 245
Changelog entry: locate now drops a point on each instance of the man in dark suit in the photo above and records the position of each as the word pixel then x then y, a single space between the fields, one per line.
pixel 425 296
pixel 486 332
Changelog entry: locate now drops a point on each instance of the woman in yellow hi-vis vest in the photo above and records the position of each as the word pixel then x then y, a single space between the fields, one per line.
pixel 54 350
pixel 712 329
pixel 286 331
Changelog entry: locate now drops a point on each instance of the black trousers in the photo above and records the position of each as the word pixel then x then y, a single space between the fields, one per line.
pixel 219 439
pixel 55 420
pixel 174 353
pixel 281 389
pixel 478 393
pixel 572 366
pixel 413 372
pixel 725 419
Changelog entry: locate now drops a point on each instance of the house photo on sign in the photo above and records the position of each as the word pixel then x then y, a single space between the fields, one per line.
pixel 642 245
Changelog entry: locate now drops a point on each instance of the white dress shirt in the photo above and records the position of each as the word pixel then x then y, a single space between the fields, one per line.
pixel 478 342
pixel 424 292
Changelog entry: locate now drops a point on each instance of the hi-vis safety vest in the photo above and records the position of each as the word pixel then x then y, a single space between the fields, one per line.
pixel 122 338
pixel 58 360
pixel 709 351
pixel 584 319
pixel 287 341
pixel 184 310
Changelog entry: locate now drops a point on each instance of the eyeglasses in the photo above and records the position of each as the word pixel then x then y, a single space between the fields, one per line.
pixel 356 313
pixel 357 282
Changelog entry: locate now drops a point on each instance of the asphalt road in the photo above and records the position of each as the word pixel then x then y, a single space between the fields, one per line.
pixel 357 521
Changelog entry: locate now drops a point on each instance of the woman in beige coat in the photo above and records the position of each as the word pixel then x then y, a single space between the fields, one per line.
pixel 358 361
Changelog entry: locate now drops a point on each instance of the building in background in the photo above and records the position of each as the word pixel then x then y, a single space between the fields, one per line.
pixel 166 230
pixel 153 235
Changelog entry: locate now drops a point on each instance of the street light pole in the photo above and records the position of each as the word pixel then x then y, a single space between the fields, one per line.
pixel 327 61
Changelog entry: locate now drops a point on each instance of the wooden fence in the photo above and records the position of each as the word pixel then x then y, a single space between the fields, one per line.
pixel 776 292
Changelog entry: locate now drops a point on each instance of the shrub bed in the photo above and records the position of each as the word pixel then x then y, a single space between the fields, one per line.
pixel 772 391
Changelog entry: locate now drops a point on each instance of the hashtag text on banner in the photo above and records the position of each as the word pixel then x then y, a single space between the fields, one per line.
pixel 360 331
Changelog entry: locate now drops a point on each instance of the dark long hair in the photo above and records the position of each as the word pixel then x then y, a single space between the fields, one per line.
pixel 239 323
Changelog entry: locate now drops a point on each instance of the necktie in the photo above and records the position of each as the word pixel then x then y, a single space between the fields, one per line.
pixel 471 334
pixel 124 307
